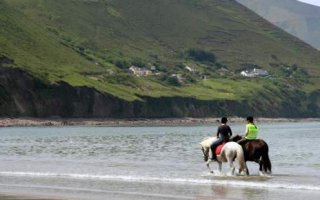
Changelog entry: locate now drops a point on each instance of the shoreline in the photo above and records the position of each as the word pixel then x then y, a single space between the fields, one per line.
pixel 47 122
pixel 4 196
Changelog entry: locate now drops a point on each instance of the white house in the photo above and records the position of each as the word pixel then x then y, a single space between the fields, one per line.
pixel 254 72
pixel 153 68
pixel 190 69
pixel 140 71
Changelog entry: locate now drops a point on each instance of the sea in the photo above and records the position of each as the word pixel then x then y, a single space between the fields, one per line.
pixel 165 162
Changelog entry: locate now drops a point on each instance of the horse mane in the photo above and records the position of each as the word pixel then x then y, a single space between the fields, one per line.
pixel 235 138
pixel 206 138
pixel 238 137
pixel 206 142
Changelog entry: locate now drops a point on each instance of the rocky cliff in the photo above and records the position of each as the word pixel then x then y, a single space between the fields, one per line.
pixel 21 94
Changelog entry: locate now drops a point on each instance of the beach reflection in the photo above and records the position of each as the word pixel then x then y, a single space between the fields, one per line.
pixel 227 192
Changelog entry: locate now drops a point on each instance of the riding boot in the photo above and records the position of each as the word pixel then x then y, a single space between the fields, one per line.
pixel 214 156
pixel 214 146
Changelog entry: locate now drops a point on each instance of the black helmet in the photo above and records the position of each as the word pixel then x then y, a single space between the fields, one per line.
pixel 250 119
pixel 224 120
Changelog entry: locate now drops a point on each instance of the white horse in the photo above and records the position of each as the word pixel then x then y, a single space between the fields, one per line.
pixel 231 151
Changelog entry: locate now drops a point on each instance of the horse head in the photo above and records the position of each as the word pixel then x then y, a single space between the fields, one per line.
pixel 235 138
pixel 205 147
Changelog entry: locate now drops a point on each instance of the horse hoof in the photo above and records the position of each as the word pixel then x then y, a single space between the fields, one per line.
pixel 243 174
pixel 211 172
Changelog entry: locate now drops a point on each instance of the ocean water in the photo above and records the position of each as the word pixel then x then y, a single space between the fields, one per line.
pixel 153 163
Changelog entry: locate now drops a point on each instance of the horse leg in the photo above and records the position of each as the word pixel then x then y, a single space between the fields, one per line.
pixel 205 154
pixel 259 161
pixel 261 171
pixel 243 170
pixel 231 165
pixel 220 167
pixel 233 168
pixel 208 166
pixel 206 158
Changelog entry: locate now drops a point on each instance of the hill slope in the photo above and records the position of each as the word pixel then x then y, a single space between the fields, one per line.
pixel 91 43
pixel 297 18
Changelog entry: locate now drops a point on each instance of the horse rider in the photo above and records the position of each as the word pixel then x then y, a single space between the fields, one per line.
pixel 223 134
pixel 251 132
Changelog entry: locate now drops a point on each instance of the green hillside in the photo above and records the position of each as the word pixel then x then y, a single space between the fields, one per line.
pixel 94 42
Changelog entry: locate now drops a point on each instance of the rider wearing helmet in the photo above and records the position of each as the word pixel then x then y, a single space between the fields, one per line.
pixel 223 134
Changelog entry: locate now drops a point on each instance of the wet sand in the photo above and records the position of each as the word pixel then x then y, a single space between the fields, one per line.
pixel 164 191
pixel 13 197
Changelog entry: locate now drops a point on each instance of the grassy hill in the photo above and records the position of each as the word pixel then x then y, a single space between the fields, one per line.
pixel 297 18
pixel 93 43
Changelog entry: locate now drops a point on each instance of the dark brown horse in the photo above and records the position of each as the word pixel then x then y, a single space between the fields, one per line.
pixel 256 151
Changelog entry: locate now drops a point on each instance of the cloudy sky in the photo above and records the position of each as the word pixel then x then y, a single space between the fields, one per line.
pixel 314 2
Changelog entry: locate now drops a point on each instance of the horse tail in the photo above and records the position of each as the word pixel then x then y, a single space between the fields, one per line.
pixel 240 158
pixel 266 161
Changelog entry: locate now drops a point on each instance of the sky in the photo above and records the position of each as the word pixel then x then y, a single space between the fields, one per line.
pixel 314 2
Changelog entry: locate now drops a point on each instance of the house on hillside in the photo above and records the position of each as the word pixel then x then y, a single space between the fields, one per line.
pixel 222 71
pixel 179 77
pixel 190 69
pixel 140 71
pixel 254 73
pixel 153 68
pixel 110 71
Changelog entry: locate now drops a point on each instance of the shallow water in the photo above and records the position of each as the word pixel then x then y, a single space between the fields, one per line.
pixel 152 162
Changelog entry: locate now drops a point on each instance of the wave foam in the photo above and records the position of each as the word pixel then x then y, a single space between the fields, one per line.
pixel 241 183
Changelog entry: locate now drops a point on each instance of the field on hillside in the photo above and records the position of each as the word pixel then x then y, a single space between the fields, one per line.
pixel 93 44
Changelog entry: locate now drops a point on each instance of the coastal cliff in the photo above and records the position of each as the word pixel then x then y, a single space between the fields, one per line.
pixel 22 95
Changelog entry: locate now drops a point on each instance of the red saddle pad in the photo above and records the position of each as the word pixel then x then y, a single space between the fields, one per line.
pixel 219 148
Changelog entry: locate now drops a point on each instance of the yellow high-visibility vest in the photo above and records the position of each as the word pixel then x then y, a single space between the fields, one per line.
pixel 252 132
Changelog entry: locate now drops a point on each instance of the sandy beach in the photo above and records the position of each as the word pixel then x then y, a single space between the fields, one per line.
pixel 119 190
pixel 34 122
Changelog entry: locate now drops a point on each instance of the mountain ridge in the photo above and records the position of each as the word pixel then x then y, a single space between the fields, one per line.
pixel 297 18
